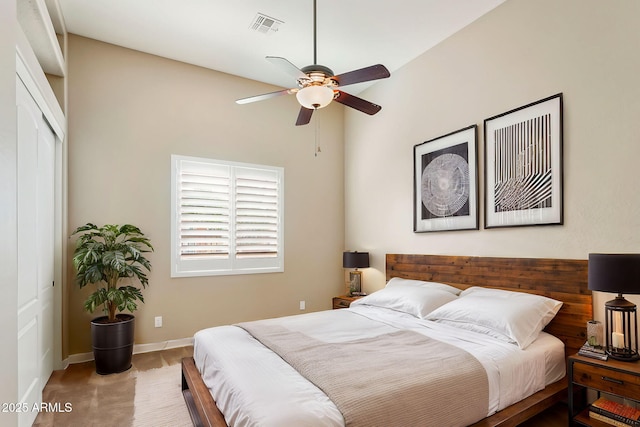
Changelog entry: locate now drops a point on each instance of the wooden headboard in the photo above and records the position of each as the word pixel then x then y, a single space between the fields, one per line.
pixel 561 279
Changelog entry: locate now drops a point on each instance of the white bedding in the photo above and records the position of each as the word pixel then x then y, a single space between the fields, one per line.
pixel 253 386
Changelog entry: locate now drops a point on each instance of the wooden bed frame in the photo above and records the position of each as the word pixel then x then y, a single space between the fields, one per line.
pixel 560 279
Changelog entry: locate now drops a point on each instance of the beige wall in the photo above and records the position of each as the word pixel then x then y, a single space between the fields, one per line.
pixel 520 52
pixel 128 112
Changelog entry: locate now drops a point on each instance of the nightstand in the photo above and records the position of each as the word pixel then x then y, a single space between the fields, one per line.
pixel 614 377
pixel 343 301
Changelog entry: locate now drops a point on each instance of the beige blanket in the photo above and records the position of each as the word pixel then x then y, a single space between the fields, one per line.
pixel 396 379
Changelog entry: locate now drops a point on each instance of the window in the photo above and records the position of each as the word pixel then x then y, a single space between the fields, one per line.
pixel 226 217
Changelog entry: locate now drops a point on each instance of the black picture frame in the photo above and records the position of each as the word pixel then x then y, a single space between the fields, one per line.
pixel 524 165
pixel 445 182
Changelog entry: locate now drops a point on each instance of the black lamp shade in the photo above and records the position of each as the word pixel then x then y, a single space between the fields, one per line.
pixel 616 273
pixel 355 260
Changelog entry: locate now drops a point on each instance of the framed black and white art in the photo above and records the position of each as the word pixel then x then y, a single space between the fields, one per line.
pixel 523 165
pixel 445 182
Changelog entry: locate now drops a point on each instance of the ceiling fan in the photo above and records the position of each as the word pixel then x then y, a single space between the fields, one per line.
pixel 318 86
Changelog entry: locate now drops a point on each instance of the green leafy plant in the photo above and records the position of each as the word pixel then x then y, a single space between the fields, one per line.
pixel 105 255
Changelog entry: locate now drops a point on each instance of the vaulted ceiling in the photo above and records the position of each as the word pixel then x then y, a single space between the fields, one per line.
pixel 234 36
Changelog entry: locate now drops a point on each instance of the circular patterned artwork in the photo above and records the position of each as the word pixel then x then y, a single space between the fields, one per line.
pixel 445 185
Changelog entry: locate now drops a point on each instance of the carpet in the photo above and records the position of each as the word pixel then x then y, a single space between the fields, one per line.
pixel 158 399
pixel 147 395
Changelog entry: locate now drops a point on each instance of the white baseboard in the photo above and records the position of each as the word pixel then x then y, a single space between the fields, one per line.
pixel 137 348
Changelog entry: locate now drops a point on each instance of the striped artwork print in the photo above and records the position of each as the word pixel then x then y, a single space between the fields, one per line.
pixel 523 165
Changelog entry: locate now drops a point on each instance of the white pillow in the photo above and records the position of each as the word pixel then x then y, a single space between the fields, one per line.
pixel 514 317
pixel 415 300
pixel 394 281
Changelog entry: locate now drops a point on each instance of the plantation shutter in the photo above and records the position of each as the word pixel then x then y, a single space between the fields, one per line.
pixel 204 212
pixel 257 213
pixel 226 218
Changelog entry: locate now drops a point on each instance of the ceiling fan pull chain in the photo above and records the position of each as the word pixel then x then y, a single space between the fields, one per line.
pixel 317 144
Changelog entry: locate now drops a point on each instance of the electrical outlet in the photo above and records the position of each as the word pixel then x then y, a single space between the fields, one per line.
pixel 158 321
pixel 302 305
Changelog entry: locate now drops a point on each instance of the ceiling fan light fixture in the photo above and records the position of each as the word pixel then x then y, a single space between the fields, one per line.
pixel 314 97
pixel 318 85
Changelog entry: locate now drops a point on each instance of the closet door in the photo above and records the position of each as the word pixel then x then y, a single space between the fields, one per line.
pixel 46 249
pixel 36 160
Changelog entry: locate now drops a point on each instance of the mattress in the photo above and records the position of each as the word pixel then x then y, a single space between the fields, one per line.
pixel 253 386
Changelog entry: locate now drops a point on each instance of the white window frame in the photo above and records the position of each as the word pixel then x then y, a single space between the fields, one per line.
pixel 229 263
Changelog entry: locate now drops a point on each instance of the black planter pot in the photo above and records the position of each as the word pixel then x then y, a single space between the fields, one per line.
pixel 112 344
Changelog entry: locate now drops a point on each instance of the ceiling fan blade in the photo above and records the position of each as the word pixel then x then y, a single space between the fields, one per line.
pixel 265 96
pixel 357 103
pixel 374 72
pixel 286 66
pixel 304 116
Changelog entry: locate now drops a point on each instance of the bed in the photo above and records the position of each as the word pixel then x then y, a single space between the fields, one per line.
pixel 553 279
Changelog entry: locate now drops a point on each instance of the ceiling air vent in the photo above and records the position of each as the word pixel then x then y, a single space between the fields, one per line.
pixel 265 24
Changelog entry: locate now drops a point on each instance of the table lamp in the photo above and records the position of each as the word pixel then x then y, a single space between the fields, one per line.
pixel 355 260
pixel 618 273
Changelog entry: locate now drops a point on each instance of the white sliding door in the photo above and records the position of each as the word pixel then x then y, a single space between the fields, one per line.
pixel 46 254
pixel 36 178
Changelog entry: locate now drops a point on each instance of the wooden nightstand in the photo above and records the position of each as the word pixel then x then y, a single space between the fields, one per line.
pixel 343 301
pixel 614 377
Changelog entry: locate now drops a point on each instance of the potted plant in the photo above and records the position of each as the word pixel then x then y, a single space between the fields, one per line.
pixel 106 256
